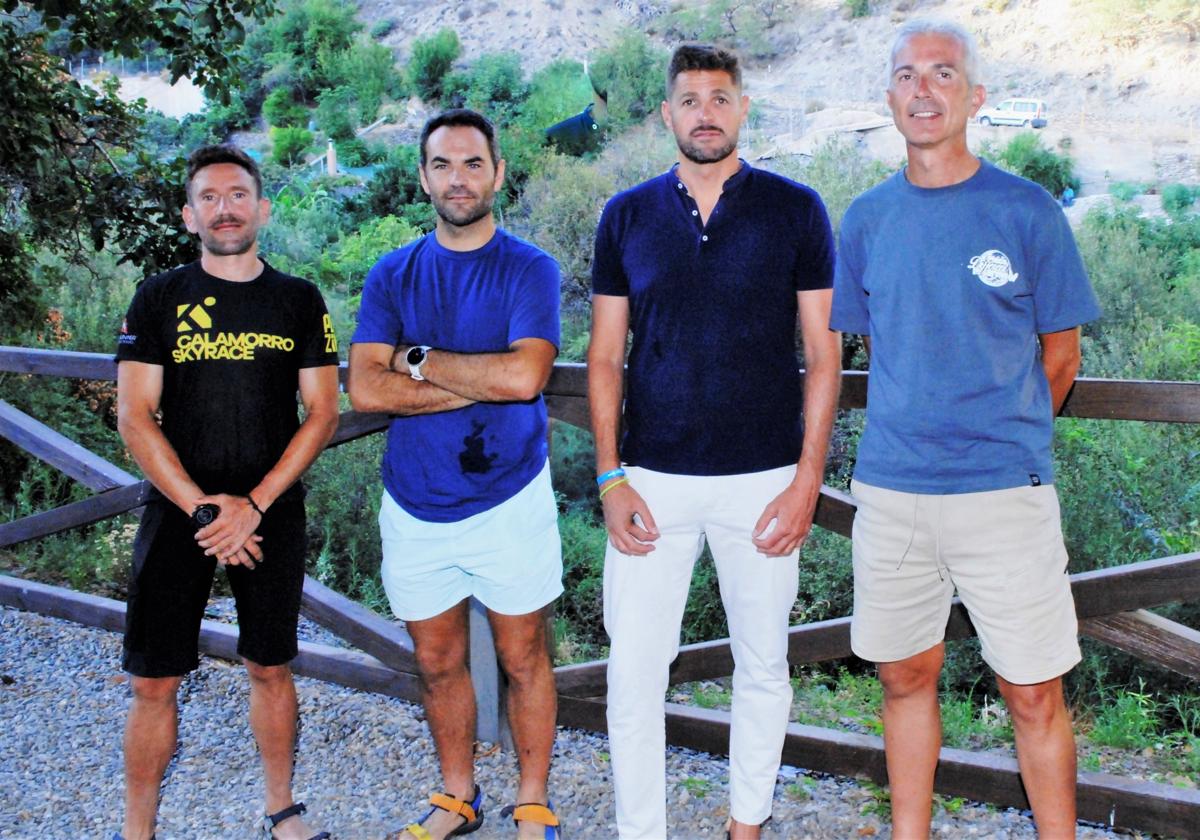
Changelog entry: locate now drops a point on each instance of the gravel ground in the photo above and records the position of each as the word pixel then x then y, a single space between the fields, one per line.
pixel 365 767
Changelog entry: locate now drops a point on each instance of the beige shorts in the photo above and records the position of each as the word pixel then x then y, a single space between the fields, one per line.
pixel 1001 550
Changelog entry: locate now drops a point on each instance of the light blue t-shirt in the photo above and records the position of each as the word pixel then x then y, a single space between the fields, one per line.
pixel 953 285
pixel 447 466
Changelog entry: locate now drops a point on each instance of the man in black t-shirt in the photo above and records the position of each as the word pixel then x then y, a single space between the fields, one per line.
pixel 220 348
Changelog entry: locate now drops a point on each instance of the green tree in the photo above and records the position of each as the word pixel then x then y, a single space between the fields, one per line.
pixel 431 60
pixel 281 108
pixel 335 114
pixel 631 75
pixel 72 177
pixel 494 84
pixel 289 144
pixel 303 46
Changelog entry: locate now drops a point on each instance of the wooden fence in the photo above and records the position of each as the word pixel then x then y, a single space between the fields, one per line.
pixel 1112 606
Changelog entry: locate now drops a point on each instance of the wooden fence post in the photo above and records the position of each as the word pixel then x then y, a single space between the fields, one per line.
pixel 491 724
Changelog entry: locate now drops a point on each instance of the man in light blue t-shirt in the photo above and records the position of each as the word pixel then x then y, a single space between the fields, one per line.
pixel 457 335
pixel 968 286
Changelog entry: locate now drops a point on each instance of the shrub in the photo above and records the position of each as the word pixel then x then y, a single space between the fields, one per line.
pixel 559 90
pixel 282 110
pixel 559 210
pixel 857 8
pixel 1026 156
pixel 345 265
pixel 631 73
pixel 395 190
pixel 335 113
pixel 431 60
pixel 369 71
pixel 1126 191
pixel 288 145
pixel 352 152
pixel 838 171
pixel 493 85
pixel 305 219
pixel 382 28
pixel 1177 199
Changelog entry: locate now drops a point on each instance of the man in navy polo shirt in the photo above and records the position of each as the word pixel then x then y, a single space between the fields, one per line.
pixel 457 335
pixel 968 285
pixel 709 265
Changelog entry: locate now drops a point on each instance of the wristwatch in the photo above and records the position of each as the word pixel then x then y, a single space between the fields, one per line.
pixel 416 357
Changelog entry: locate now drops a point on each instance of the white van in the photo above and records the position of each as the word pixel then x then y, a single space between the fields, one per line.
pixel 1030 113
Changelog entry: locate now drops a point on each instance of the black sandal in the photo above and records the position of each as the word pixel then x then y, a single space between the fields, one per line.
pixel 272 820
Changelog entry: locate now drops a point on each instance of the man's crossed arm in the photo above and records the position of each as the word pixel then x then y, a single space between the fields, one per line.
pixel 380 379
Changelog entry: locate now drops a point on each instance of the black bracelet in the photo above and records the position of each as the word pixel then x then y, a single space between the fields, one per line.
pixel 257 509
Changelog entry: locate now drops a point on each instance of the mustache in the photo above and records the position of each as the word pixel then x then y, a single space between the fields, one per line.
pixel 225 220
pixel 700 128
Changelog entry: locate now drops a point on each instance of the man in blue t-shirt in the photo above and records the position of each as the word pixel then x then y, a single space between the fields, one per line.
pixel 709 265
pixel 457 335
pixel 969 288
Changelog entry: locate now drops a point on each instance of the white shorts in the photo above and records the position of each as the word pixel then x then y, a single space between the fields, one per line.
pixel 509 557
pixel 1002 550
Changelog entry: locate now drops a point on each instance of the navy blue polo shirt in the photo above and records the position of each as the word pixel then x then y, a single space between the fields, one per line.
pixel 713 386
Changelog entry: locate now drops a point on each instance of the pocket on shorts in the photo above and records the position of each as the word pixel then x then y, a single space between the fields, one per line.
pixel 1040 518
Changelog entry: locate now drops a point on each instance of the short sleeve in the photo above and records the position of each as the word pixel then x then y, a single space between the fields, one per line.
pixel 535 310
pixel 849 313
pixel 320 343
pixel 608 272
pixel 140 339
pixel 378 320
pixel 1062 294
pixel 814 265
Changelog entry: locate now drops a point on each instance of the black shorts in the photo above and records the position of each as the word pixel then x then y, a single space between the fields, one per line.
pixel 171 580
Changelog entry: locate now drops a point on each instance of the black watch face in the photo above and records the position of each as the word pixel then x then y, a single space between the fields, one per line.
pixel 415 355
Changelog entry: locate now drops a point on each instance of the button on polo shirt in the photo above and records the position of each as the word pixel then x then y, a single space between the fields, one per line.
pixel 713 382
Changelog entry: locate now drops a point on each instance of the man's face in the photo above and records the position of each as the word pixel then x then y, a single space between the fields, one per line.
pixel 705 112
pixel 225 210
pixel 459 175
pixel 928 92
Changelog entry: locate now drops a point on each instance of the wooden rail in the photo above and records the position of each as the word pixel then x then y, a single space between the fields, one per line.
pixel 1111 603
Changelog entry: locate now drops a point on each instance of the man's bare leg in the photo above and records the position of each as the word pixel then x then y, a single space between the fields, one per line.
pixel 532 703
pixel 912 738
pixel 441 644
pixel 151 733
pixel 273 710
pixel 1045 753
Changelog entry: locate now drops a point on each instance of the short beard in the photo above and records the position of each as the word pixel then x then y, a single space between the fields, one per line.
pixel 466 216
pixel 228 249
pixel 702 156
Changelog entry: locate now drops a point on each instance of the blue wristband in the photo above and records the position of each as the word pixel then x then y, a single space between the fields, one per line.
pixel 611 474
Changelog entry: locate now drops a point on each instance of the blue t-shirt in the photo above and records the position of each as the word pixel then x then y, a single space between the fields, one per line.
pixel 713 385
pixel 953 286
pixel 447 466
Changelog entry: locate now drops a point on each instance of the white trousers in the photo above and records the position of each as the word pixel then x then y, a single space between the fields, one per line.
pixel 644 599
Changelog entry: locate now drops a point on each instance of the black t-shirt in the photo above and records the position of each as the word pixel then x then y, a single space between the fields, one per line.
pixel 231 355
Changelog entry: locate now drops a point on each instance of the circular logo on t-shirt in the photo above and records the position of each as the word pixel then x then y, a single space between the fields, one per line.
pixel 993 268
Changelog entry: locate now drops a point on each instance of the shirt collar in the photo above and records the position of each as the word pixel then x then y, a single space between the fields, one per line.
pixel 731 183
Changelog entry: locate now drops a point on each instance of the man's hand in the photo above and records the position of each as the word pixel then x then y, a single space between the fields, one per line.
pixel 621 505
pixel 231 537
pixel 792 511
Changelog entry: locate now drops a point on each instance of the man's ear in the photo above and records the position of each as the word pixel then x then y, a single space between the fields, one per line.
pixel 978 97
pixel 189 218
